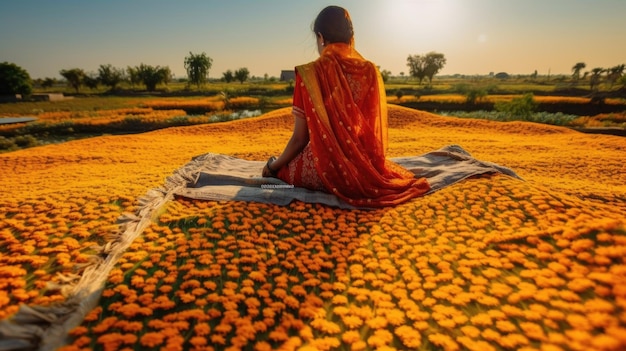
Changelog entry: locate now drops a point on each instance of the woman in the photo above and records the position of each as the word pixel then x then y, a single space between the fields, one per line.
pixel 340 133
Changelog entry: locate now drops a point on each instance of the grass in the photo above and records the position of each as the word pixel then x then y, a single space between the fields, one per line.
pixel 491 263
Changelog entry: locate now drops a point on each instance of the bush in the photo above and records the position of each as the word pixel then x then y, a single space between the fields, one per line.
pixel 518 108
pixel 557 119
pixel 14 80
pixel 7 144
pixel 25 141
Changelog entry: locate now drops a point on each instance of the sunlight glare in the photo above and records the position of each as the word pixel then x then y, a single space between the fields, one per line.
pixel 423 20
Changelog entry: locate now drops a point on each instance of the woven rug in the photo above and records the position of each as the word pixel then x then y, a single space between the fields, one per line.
pixel 221 177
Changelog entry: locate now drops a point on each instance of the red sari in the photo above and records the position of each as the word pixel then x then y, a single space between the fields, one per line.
pixel 342 97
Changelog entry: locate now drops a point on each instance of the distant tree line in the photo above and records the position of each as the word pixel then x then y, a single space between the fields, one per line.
pixel 111 77
pixel 609 75
pixel 16 80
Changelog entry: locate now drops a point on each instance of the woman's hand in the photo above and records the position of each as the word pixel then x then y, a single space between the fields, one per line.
pixel 267 171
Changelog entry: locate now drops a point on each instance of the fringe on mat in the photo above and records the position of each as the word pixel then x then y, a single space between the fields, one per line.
pixel 46 328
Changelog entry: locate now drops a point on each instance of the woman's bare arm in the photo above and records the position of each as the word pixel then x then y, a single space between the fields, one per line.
pixel 299 139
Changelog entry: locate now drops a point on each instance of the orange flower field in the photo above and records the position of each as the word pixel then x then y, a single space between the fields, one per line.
pixel 490 263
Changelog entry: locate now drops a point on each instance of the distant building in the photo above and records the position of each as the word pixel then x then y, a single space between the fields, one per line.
pixel 502 75
pixel 286 75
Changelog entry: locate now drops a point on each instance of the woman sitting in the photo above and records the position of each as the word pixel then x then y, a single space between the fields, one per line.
pixel 340 135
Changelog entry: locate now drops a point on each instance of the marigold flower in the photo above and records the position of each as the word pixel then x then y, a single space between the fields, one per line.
pixel 352 322
pixel 513 340
pixel 444 341
pixel 380 338
pixel 481 319
pixel 325 326
pixel 151 339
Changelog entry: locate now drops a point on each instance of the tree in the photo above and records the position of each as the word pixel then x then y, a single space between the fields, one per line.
pixel 14 80
pixel 74 77
pixel 417 65
pixel 133 75
pixel 242 74
pixel 91 81
pixel 577 69
pixel 434 63
pixel 48 82
pixel 596 77
pixel 228 76
pixel 534 75
pixel 385 74
pixel 197 67
pixel 152 76
pixel 167 74
pixel 110 76
pixel 613 74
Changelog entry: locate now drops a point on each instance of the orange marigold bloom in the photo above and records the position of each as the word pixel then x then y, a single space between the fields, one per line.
pixel 606 342
pixel 291 302
pixel 506 326
pixel 278 335
pixel 350 337
pixel 533 331
pixel 352 322
pixel 513 340
pixel 151 339
pixel 444 341
pixel 481 319
pixel 325 326
pixel 198 341
pixel 218 339
pixel 262 346
pixel 380 338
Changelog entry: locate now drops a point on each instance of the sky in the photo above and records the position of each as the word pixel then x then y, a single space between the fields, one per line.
pixel 266 36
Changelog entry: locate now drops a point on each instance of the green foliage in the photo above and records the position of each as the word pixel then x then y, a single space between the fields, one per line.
pixel 473 94
pixel 399 94
pixel 74 77
pixel 557 119
pixel 426 66
pixel 152 76
pixel 521 107
pixel 228 76
pixel 91 81
pixel 48 82
pixel 110 76
pixel 18 142
pixel 14 80
pixel 7 144
pixel 417 65
pixel 613 74
pixel 133 75
pixel 576 69
pixel 595 78
pixel 242 74
pixel 198 66
pixel 385 74
pixel 434 63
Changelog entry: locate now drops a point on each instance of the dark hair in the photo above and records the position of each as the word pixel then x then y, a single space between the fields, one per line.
pixel 334 24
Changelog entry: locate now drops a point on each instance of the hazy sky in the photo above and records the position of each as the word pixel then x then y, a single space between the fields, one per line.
pixel 266 36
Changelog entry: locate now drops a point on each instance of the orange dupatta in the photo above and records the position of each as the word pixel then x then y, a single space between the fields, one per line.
pixel 347 121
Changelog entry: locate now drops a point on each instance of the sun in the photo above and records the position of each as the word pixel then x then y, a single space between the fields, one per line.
pixel 408 18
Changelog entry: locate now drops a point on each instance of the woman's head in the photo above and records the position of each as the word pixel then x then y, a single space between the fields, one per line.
pixel 333 25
